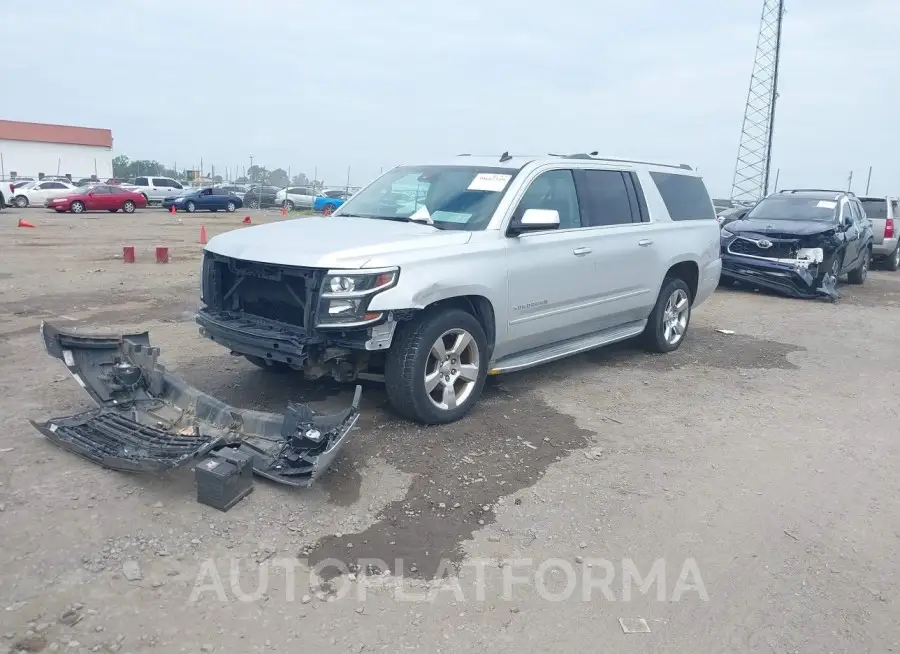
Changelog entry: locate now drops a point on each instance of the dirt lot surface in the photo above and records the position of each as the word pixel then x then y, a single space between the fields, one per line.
pixel 757 471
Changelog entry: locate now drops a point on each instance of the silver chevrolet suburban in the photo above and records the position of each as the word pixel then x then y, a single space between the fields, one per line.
pixel 436 275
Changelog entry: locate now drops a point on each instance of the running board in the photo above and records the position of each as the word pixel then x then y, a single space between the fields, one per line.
pixel 567 348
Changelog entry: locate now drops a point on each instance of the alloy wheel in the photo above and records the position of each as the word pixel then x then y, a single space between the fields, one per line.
pixel 451 370
pixel 675 316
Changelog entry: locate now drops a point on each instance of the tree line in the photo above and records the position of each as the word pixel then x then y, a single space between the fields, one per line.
pixel 125 168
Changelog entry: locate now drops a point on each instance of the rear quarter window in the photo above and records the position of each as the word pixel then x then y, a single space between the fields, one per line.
pixel 685 196
pixel 875 209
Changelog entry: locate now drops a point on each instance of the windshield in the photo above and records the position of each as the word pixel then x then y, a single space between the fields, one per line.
pixel 876 208
pixel 451 197
pixel 794 208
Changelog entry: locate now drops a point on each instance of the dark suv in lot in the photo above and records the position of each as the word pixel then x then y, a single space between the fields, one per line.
pixel 799 242
pixel 260 197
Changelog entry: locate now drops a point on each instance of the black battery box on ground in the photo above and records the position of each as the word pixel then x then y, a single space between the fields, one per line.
pixel 224 478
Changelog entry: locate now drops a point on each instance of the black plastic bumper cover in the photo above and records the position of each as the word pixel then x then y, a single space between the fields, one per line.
pixel 793 281
pixel 150 420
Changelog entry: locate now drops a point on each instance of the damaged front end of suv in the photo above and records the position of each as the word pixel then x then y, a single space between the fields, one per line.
pixel 149 420
pixel 314 320
pixel 798 242
pixel 798 266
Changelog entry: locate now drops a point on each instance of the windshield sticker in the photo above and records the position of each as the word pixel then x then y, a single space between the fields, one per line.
pixel 489 182
pixel 826 204
pixel 451 217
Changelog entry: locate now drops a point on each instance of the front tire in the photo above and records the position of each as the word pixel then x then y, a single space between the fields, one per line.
pixel 128 207
pixel 289 205
pixel 21 202
pixel 858 275
pixel 230 207
pixel 254 204
pixel 436 369
pixel 78 206
pixel 669 320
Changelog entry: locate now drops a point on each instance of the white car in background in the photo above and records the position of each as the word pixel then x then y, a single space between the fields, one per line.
pixel 299 197
pixel 39 193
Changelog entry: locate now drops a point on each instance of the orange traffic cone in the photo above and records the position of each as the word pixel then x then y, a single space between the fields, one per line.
pixel 283 211
pixel 172 209
pixel 24 223
pixel 246 220
pixel 202 234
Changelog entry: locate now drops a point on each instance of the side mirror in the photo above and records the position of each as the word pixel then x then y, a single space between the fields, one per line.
pixel 534 220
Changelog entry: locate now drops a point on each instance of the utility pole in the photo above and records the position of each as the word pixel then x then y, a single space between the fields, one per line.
pixel 869 180
pixel 850 181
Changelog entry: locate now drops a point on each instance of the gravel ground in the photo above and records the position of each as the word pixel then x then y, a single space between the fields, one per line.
pixel 752 471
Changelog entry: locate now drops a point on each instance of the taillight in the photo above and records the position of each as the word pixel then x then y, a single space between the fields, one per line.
pixel 889 228
pixel 12 188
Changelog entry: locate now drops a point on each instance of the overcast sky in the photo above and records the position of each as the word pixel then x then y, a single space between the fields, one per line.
pixel 343 83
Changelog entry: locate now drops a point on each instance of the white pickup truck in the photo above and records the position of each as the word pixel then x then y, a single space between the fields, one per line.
pixel 155 189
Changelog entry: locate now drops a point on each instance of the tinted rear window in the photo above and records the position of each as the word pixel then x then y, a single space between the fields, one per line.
pixel 685 196
pixel 875 208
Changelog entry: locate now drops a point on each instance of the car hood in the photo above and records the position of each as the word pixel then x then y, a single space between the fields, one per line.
pixel 792 227
pixel 331 242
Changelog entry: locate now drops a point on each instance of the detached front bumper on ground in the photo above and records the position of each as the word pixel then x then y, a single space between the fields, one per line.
pixel 149 420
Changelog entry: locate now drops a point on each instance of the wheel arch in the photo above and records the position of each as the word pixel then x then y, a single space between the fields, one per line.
pixel 687 270
pixel 478 306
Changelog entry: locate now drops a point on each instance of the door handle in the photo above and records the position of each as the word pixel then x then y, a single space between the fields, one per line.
pixel 644 242
pixel 580 252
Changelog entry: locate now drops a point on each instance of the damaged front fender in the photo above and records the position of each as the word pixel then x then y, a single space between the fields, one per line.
pixel 150 420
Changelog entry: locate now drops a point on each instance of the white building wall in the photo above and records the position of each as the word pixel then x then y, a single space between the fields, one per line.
pixel 28 158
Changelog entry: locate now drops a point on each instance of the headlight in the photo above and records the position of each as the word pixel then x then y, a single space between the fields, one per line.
pixel 726 233
pixel 342 284
pixel 813 255
pixel 346 295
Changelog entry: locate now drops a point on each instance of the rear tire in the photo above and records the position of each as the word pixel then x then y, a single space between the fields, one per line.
pixel 276 367
pixel 254 204
pixel 892 262
pixel 668 322
pixel 858 275
pixel 410 360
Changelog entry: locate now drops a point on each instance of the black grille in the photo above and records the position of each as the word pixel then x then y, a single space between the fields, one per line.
pixel 778 250
pixel 117 441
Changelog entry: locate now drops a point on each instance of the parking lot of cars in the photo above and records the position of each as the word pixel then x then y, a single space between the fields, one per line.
pixel 760 448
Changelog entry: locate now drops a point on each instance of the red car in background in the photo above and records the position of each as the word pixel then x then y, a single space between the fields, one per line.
pixel 98 198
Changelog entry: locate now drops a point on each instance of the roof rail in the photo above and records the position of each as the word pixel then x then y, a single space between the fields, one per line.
pixel 816 190
pixel 594 157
